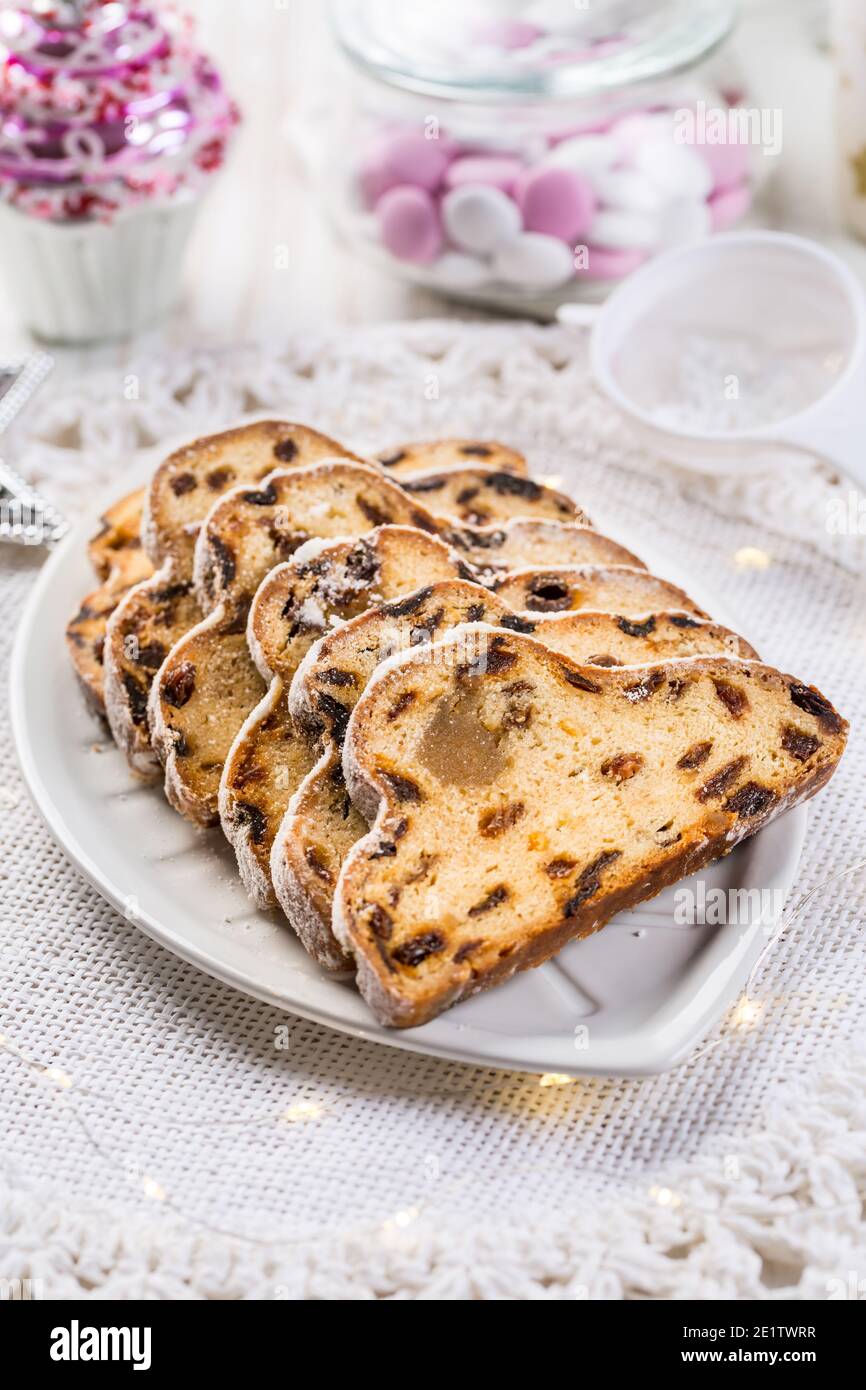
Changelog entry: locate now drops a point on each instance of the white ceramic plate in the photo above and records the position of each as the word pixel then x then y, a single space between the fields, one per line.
pixel 631 1001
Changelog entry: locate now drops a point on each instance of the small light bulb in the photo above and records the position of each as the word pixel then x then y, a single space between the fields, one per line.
pixel 302 1110
pixel 746 1014
pixel 749 557
pixel 58 1076
pixel 666 1197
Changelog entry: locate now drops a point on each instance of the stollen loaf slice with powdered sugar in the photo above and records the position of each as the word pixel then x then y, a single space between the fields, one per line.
pixel 495 840
pixel 209 683
pixel 321 826
pixel 429 456
pixel 616 588
pixel 325 583
pixel 119 562
pixel 486 497
pixel 151 617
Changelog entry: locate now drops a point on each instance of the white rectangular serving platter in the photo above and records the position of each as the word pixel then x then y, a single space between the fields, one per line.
pixel 632 1001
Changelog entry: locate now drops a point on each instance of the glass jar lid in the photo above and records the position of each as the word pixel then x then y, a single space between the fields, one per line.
pixel 490 50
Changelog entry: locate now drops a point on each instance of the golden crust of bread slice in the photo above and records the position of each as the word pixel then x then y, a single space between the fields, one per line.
pixel 405 460
pixel 269 759
pixel 572 791
pixel 318 830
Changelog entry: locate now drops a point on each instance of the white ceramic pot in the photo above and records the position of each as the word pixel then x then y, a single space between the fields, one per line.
pixel 81 282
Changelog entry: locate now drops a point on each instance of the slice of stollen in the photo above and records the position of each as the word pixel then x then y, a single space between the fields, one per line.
pixel 615 588
pixel 318 831
pixel 429 456
pixel 154 614
pixel 208 683
pixel 481 497
pixel 116 552
pixel 325 584
pixel 493 551
pixel 119 561
pixel 495 841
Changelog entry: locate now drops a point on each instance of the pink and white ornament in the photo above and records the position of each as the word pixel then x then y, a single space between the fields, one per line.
pixel 104 106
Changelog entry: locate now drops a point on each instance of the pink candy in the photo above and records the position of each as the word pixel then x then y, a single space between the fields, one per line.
pixel 558 202
pixel 401 158
pixel 409 224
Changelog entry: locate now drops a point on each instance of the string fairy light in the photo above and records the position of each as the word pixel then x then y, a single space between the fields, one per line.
pixel 303 1111
pixel 58 1076
pixel 665 1196
pixel 750 557
pixel 746 1013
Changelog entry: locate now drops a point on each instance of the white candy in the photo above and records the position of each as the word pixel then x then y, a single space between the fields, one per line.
pixel 675 169
pixel 479 218
pixel 587 154
pixel 627 189
pixel 624 231
pixel 534 262
pixel 460 272
pixel 685 221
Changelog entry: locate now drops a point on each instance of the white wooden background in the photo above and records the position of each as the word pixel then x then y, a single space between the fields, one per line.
pixel 279 63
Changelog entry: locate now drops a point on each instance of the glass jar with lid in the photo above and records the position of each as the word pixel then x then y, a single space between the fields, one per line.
pixel 524 154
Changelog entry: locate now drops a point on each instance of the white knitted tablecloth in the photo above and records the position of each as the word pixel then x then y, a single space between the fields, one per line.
pixel 157 1141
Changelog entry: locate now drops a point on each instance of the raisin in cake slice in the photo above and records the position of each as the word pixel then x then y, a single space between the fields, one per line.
pixel 325 583
pixel 615 588
pixel 405 460
pixel 319 830
pixel 208 683
pixel 485 497
pixel 153 615
pixel 553 842
pixel 119 561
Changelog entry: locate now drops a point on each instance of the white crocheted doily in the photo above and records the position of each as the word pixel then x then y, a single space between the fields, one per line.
pixel 164 1136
